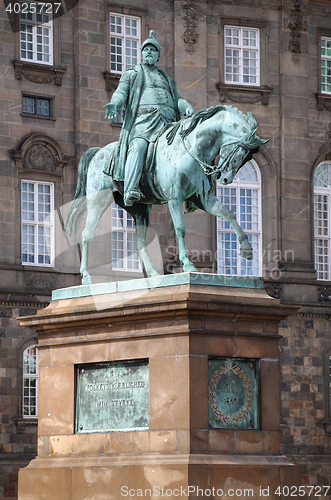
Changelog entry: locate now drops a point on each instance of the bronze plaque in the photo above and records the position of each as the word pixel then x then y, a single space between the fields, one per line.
pixel 233 393
pixel 112 397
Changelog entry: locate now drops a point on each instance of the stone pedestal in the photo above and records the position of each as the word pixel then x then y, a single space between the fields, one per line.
pixel 178 329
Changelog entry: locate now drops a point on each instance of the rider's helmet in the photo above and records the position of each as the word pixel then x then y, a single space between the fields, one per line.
pixel 151 40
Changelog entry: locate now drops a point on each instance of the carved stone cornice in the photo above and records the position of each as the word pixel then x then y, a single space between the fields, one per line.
pixel 191 14
pixel 111 80
pixel 323 101
pixel 243 94
pixel 38 73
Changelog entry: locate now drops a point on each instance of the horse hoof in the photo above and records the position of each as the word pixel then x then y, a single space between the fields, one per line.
pixel 87 280
pixel 246 254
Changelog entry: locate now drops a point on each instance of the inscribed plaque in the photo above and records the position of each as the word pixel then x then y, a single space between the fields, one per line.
pixel 112 397
pixel 233 393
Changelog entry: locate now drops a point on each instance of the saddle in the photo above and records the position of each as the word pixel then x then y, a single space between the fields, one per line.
pixel 172 129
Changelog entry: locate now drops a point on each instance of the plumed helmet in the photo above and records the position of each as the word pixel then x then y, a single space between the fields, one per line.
pixel 151 40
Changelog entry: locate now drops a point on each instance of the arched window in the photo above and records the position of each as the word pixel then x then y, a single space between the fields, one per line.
pixel 243 198
pixel 322 198
pixel 30 382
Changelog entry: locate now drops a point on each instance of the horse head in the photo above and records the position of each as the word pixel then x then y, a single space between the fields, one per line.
pixel 239 144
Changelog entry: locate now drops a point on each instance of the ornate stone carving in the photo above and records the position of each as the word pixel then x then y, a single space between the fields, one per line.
pixel 274 290
pixel 244 95
pixel 296 4
pixel 39 157
pixel 191 16
pixel 38 151
pixel 324 294
pixel 38 73
pixel 242 414
pixel 323 101
pixel 296 23
pixel 111 80
pixel 40 281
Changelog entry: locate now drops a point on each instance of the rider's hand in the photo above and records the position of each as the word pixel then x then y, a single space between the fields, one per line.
pixel 189 111
pixel 111 110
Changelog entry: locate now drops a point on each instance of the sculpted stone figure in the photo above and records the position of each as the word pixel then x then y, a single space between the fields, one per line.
pixel 181 167
pixel 151 100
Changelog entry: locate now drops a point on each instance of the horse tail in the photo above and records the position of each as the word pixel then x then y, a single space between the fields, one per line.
pixel 78 205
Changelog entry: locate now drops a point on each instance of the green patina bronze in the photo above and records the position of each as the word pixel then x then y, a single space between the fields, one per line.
pixel 233 393
pixel 112 397
pixel 161 158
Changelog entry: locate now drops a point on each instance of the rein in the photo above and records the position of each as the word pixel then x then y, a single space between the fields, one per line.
pixel 211 169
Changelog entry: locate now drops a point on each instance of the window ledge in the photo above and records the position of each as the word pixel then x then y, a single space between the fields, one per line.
pixel 38 73
pixel 112 80
pixel 244 94
pixel 27 115
pixel 323 101
pixel 21 423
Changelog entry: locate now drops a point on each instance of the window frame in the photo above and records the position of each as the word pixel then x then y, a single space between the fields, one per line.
pixel 323 37
pixel 123 36
pixel 34 23
pixel 36 97
pixel 125 230
pixel 240 47
pixel 35 224
pixel 28 376
pixel 317 190
pixel 246 185
pixel 124 11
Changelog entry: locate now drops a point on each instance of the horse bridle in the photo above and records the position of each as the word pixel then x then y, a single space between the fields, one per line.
pixel 211 169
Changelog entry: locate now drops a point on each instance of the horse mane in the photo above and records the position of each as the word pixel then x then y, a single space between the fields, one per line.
pixel 205 114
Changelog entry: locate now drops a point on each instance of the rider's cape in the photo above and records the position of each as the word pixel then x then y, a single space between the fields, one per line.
pixel 130 88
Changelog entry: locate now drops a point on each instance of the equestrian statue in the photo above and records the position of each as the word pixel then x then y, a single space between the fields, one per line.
pixel 165 154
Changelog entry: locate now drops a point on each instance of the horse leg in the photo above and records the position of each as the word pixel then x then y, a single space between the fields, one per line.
pixel 175 207
pixel 142 223
pixel 96 205
pixel 213 206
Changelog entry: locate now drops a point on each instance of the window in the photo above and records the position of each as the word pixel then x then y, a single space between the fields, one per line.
pixel 119 119
pixel 30 382
pixel 125 41
pixel 243 198
pixel 322 197
pixel 37 106
pixel 36 34
pixel 125 255
pixel 326 65
pixel 37 223
pixel 241 55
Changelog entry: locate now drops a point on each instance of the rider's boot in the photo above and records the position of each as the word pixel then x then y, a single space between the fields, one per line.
pixel 133 169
